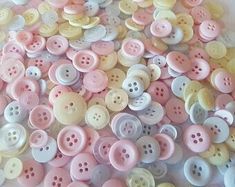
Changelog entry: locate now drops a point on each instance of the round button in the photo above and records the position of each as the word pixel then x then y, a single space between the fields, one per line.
pixel 220 156
pixel 57 91
pixel 231 162
pixel 71 137
pixel 197 171
pixel 15 112
pixel 37 45
pixel 13 168
pixel 206 99
pixel 197 114
pixel 224 82
pixel 116 77
pixel 69 108
pixel 123 155
pixel 133 86
pixel 178 84
pixel 140 103
pixel 209 29
pixel 226 115
pixel 169 130
pixel 108 62
pixel 175 37
pixel 33 72
pixel 161 28
pixel 59 160
pixel 38 138
pixel 100 174
pixel 57 45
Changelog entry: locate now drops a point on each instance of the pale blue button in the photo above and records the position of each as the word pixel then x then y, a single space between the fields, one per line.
pixel 15 112
pixel 100 174
pixel 197 114
pixel 33 72
pixel 231 162
pixel 175 37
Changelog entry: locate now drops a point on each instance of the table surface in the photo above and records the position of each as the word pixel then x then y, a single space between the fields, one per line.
pixel 175 173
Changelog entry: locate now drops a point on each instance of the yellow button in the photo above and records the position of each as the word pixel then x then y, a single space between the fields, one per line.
pixel 115 77
pixel 128 6
pixel 122 32
pixel 220 156
pixel 31 16
pixel 97 116
pixel 145 3
pixel 191 87
pixel 130 24
pixel 159 44
pixel 230 53
pixel 92 23
pixel 208 153
pixel 216 49
pixel 107 62
pixel 48 30
pixel 80 21
pixel 116 99
pixel 13 168
pixel 230 66
pixel 164 4
pixel 96 101
pixel 215 8
pixel 206 99
pixel 189 101
pixel 44 7
pixel 166 184
pixel 6 16
pixel 165 14
pixel 222 62
pixel 126 62
pixel 188 32
pixel 230 142
pixel 70 32
pixel 155 71
pixel 69 108
pixel 184 19
pixel 142 75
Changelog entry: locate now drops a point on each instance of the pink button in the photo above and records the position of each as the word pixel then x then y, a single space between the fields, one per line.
pixel 3 103
pixel 200 14
pixel 92 137
pixel 57 177
pixel 95 81
pixel 74 9
pixel 167 146
pixel 200 69
pixel 114 183
pixel 12 55
pixel 82 166
pixel 102 148
pixel 77 184
pixel 38 138
pixel 85 61
pixel 32 174
pixel 58 4
pixel 161 28
pixel 37 45
pixel 123 155
pixel 41 63
pixel 71 140
pixel 57 45
pixel 103 47
pixel 142 17
pixel 24 37
pixel 192 3
pixel 224 82
pixel 41 117
pixel 175 111
pixel 198 53
pixel 132 48
pixel 196 138
pixel 13 47
pixel 222 100
pixel 178 62
pixel 60 160
pixel 209 29
pixel 71 52
pixel 22 85
pixel 159 92
pixel 11 69
pixel 57 91
pixel 29 100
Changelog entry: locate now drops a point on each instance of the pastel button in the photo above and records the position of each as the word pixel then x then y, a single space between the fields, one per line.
pixel 57 91
pixel 133 86
pixel 69 108
pixel 102 47
pixel 24 37
pixel 209 29
pixel 123 155
pixel 13 168
pixel 221 155
pixel 59 160
pixel 116 77
pixel 57 45
pixel 161 28
pixel 224 82
pixel 231 162
pixel 37 45
pixel 69 138
pixel 113 182
pixel 14 112
pixel 142 17
pixel 100 174
pixel 141 102
pixel 197 114
pixel 38 138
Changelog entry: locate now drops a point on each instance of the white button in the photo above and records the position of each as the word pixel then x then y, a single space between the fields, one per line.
pixel 45 153
pixel 178 84
pixel 33 72
pixel 231 162
pixel 218 127
pixel 169 130
pixel 152 114
pixel 229 177
pixel 175 37
pixel 141 102
pixel 134 86
pixel 172 72
pixel 177 156
pixel 197 171
pixel 13 168
pixel 197 114
pixel 91 8
pixel 158 60
pixel 226 115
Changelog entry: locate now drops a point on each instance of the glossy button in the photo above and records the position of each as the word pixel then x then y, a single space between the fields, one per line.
pixel 13 168
pixel 14 112
pixel 57 45
pixel 197 114
pixel 38 138
pixel 161 28
pixel 133 86
pixel 141 102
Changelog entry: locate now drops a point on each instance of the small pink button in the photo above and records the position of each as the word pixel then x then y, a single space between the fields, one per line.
pixel 57 177
pixel 161 28
pixel 103 47
pixel 13 47
pixel 71 140
pixel 32 173
pixel 38 138
pixel 85 61
pixel 57 91
pixel 123 155
pixel 196 138
pixel 222 100
pixel 178 62
pixel 224 82
pixel 41 117
pixel 92 137
pixel 24 37
pixel 37 45
pixel 3 103
pixel 159 92
pixel 95 81
pixel 60 160
pixel 167 146
pixel 142 17
pixel 41 63
pixel 192 3
pixel 198 53
pixel 57 45
pixel 200 69
pixel 82 166
pixel 29 100
pixel 175 111
pixel 200 14
pixel 209 29
pixel 132 48
pixel 114 183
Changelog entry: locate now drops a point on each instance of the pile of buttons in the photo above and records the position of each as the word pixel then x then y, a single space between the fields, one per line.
pixel 116 93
